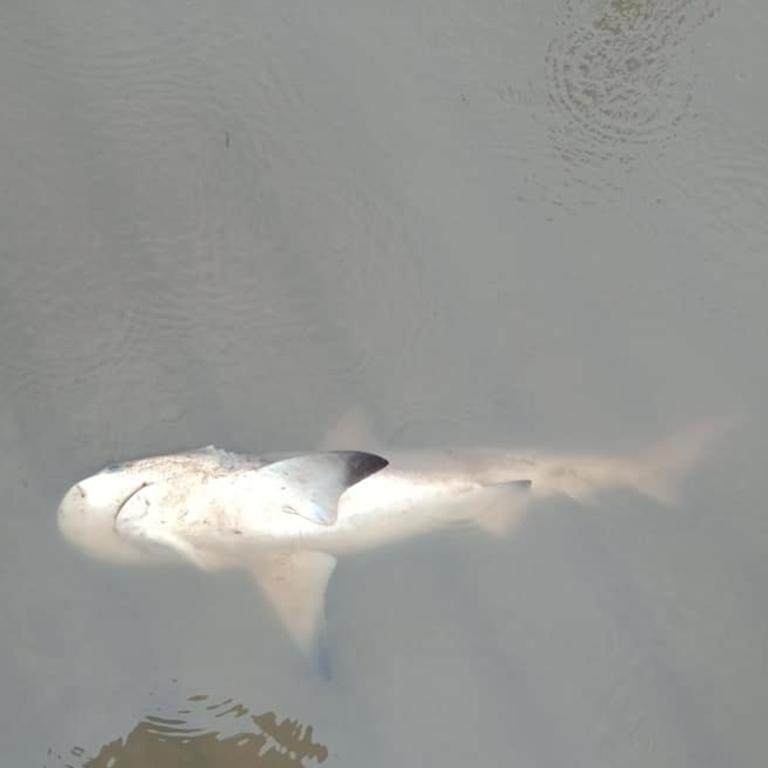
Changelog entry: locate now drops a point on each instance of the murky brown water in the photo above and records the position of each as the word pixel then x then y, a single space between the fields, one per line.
pixel 483 222
pixel 202 733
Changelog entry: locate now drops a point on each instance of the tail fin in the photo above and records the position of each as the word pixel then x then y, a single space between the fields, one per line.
pixel 660 472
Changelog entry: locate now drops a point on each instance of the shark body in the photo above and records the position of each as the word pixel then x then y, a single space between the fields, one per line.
pixel 285 519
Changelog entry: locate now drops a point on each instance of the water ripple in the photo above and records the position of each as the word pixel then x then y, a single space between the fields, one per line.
pixel 186 737
pixel 620 76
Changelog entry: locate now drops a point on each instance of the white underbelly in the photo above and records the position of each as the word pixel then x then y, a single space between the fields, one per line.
pixel 384 508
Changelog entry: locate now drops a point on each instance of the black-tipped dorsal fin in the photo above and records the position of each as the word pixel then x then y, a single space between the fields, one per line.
pixel 311 485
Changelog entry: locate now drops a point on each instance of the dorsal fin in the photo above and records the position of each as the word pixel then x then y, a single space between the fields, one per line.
pixel 311 485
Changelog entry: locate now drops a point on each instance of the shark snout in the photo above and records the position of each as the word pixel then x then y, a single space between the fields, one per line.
pixel 73 503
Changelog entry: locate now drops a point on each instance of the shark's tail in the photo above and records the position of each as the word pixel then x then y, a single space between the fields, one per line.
pixel 659 473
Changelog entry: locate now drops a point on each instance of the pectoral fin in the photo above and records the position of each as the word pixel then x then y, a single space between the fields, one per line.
pixel 295 583
pixel 311 485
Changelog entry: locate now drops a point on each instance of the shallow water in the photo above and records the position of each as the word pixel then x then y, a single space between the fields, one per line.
pixel 480 222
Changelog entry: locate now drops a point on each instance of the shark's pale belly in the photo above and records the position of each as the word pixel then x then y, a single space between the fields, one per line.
pixel 233 514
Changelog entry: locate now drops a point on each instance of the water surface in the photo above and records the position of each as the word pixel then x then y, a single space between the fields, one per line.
pixel 483 223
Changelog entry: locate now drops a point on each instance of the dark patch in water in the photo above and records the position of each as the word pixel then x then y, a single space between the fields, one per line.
pixel 259 741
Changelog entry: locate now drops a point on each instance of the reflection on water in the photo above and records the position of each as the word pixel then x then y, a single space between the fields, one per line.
pixel 618 76
pixel 187 738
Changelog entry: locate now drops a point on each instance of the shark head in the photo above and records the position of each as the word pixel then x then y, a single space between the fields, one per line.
pixel 89 509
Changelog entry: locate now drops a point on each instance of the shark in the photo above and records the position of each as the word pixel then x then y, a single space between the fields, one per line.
pixel 286 518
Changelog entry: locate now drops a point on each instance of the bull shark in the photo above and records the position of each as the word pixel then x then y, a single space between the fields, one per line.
pixel 286 518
